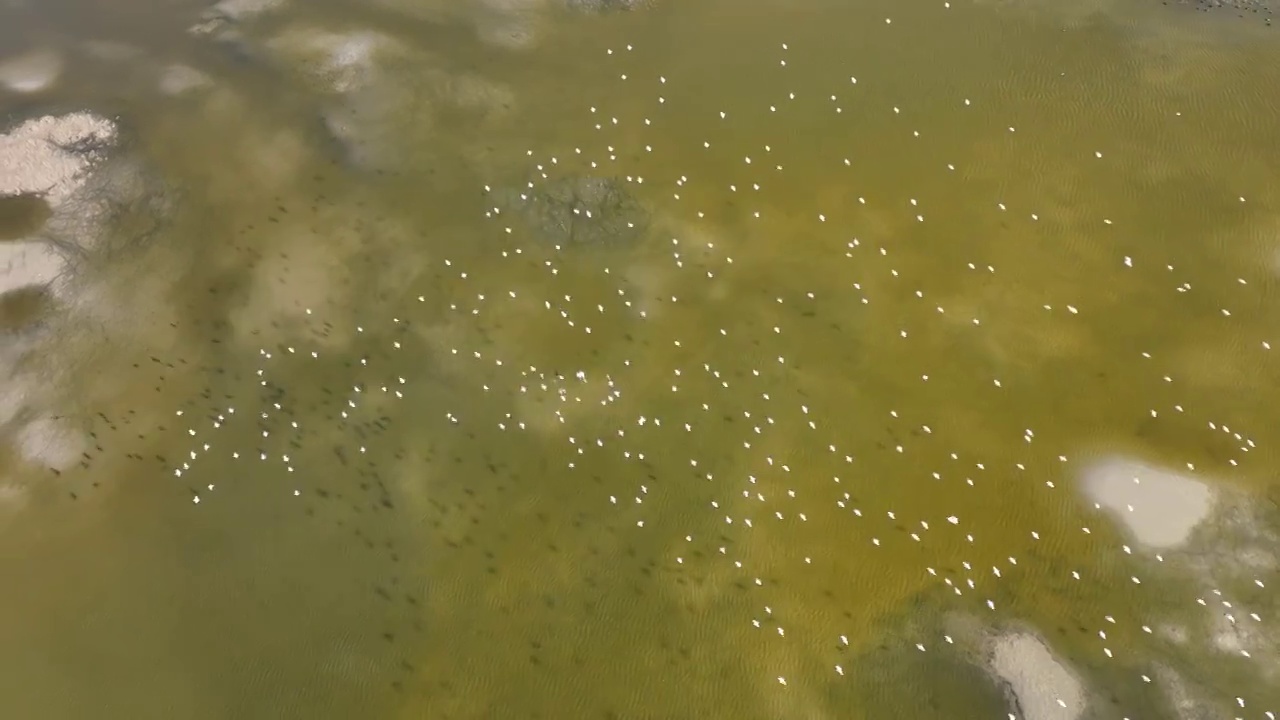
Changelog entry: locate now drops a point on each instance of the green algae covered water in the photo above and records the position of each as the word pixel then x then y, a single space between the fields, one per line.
pixel 688 360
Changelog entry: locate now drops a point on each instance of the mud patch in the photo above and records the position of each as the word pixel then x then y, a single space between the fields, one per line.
pixel 23 308
pixel 580 211
pixel 22 215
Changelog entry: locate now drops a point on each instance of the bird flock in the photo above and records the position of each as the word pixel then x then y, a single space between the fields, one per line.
pixel 805 381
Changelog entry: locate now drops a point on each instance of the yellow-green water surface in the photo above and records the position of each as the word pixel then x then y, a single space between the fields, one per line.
pixel 365 437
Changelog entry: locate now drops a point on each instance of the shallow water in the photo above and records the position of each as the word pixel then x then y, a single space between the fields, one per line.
pixel 21 215
pixel 345 433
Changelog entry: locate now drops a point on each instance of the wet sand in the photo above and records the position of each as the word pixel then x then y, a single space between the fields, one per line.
pixel 1158 507
pixel 1042 686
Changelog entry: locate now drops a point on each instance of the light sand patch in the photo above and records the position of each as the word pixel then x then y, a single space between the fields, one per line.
pixel 12 496
pixel 179 79
pixel 244 9
pixel 511 24
pixel 472 92
pixel 267 156
pixel 301 286
pixel 371 112
pixel 31 72
pixel 1238 546
pixel 340 61
pixel 704 246
pixel 1236 629
pixel 23 264
pixel 220 14
pixel 15 390
pixel 428 10
pixel 50 155
pixel 364 125
pixel 1159 508
pixel 132 306
pixel 51 443
pixel 646 282
pixel 112 51
pixel 380 95
pixel 274 157
pixel 1178 694
pixel 600 6
pixel 512 32
pixel 1226 634
pixel 1045 689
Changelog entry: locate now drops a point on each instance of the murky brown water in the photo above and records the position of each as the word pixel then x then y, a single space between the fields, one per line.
pixel 21 215
pixel 782 430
